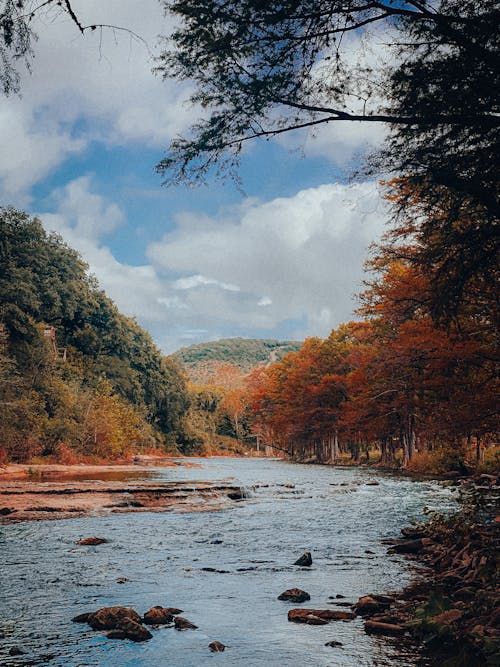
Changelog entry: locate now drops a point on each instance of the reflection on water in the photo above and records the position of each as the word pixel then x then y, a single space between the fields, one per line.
pixel 225 569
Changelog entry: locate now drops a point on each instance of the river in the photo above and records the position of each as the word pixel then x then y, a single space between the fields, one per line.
pixel 46 579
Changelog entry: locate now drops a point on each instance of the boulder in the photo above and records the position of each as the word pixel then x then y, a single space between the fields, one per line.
pixel 129 629
pixel 379 628
pixel 110 618
pixel 368 606
pixel 305 560
pixel 159 616
pixel 82 618
pixel 123 623
pixel 216 647
pixel 318 616
pixel 92 541
pixel 372 482
pixel 294 595
pixel 183 624
pixel 334 644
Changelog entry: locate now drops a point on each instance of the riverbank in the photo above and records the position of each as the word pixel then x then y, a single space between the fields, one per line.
pixel 41 492
pixel 455 609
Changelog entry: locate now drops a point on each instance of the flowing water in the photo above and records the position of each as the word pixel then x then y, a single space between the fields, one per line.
pixel 46 579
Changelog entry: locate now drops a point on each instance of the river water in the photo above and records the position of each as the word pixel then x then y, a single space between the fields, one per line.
pixel 46 579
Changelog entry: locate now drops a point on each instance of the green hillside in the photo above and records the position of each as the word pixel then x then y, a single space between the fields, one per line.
pixel 203 359
pixel 78 378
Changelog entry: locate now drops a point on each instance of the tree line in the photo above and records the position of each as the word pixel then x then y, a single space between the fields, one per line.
pixel 399 381
pixel 114 393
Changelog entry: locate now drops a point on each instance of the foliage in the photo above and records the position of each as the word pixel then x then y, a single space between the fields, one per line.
pixel 205 362
pixel 396 380
pixel 261 69
pixel 265 68
pixel 115 393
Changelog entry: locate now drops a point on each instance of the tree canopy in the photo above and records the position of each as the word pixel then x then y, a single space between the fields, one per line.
pixel 262 69
pixel 113 380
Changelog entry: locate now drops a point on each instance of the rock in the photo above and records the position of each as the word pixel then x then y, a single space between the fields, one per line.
pixel 448 617
pixel 407 547
pixel 123 622
pixel 318 616
pixel 334 644
pixel 367 551
pixel 183 624
pixel 289 485
pixel 122 580
pixel 15 650
pixel 82 618
pixel 216 647
pixel 92 541
pixel 384 599
pixel 305 560
pixel 378 628
pixel 294 595
pixel 368 606
pixel 110 618
pixel 159 616
pixel 372 482
pixel 236 495
pixel 309 619
pixel 129 629
pixel 340 597
pixel 4 511
pixel 116 634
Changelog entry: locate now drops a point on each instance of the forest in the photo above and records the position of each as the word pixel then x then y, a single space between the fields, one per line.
pixel 78 378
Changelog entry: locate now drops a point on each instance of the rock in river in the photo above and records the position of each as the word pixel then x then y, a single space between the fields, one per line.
pixel 183 624
pixel 216 647
pixel 160 615
pixel 305 560
pixel 318 616
pixel 369 605
pixel 294 595
pixel 124 622
pixel 92 541
pixel 378 628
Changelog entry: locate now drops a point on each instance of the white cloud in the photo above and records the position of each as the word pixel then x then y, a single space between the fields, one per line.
pixel 285 268
pixel 304 253
pixel 97 87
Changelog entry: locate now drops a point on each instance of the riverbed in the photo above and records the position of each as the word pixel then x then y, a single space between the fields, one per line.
pixel 224 568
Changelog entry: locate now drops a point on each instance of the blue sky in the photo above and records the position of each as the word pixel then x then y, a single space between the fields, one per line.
pixel 280 260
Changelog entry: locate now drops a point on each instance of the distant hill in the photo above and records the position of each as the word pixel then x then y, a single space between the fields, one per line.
pixel 202 360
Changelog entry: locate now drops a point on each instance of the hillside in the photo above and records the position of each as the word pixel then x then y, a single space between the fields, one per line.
pixel 78 379
pixel 204 359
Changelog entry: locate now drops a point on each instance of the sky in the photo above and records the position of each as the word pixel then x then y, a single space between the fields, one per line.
pixel 282 257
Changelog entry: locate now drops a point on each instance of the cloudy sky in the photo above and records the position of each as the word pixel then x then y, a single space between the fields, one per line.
pixel 283 260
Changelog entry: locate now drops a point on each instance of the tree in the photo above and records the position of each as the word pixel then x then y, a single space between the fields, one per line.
pixel 17 35
pixel 262 69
